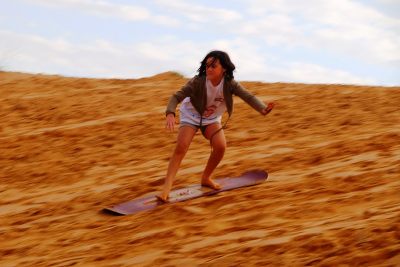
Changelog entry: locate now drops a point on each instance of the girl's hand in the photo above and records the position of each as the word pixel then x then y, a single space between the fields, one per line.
pixel 268 109
pixel 170 122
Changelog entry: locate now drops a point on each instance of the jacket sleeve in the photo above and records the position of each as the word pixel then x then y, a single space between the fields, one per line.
pixel 248 97
pixel 178 96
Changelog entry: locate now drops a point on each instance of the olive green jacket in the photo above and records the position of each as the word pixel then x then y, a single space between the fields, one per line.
pixel 196 90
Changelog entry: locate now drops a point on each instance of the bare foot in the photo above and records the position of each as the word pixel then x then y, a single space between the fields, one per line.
pixel 211 184
pixel 161 198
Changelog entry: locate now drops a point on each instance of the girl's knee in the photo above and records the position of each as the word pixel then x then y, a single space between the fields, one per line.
pixel 181 148
pixel 219 147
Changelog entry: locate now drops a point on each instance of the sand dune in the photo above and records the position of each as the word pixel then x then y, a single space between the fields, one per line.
pixel 71 146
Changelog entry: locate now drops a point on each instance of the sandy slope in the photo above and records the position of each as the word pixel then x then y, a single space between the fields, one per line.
pixel 69 147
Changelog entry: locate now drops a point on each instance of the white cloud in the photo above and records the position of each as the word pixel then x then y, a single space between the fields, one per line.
pixel 200 14
pixel 100 58
pixel 393 2
pixel 250 61
pixel 259 41
pixel 104 8
pixel 359 30
pixel 341 26
pixel 313 73
pixel 104 59
pixel 107 9
pixel 166 21
pixel 255 64
pixel 274 29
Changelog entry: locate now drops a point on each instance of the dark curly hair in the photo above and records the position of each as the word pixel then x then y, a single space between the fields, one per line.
pixel 223 58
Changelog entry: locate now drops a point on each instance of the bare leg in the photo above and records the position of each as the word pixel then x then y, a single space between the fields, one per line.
pixel 218 144
pixel 185 137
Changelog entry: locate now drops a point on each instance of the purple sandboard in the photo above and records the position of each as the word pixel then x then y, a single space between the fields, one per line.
pixel 190 192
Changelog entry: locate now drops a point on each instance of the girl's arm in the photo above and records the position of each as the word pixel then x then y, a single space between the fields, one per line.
pixel 173 102
pixel 176 98
pixel 251 99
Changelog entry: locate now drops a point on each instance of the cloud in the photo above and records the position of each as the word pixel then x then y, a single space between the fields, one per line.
pixel 250 60
pixel 281 40
pixel 104 8
pixel 107 9
pixel 99 58
pixel 313 73
pixel 274 29
pixel 200 14
pixel 102 58
pixel 253 63
pixel 361 31
pixel 344 27
pixel 166 21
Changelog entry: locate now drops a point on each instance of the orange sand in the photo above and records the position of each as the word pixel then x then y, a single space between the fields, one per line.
pixel 71 146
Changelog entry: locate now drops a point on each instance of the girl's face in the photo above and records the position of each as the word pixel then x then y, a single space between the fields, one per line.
pixel 214 70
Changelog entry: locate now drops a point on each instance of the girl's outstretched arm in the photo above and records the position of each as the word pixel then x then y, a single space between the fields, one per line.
pixel 268 109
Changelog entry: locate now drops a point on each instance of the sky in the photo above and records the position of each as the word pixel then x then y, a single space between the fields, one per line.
pixel 309 41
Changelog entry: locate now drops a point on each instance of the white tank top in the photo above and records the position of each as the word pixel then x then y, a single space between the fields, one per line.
pixel 215 106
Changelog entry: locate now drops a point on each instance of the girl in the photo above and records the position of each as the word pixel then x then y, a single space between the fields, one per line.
pixel 204 99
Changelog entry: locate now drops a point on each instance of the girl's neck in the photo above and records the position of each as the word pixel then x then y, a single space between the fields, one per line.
pixel 217 81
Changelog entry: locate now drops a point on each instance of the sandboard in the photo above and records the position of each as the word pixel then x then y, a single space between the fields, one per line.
pixel 194 191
